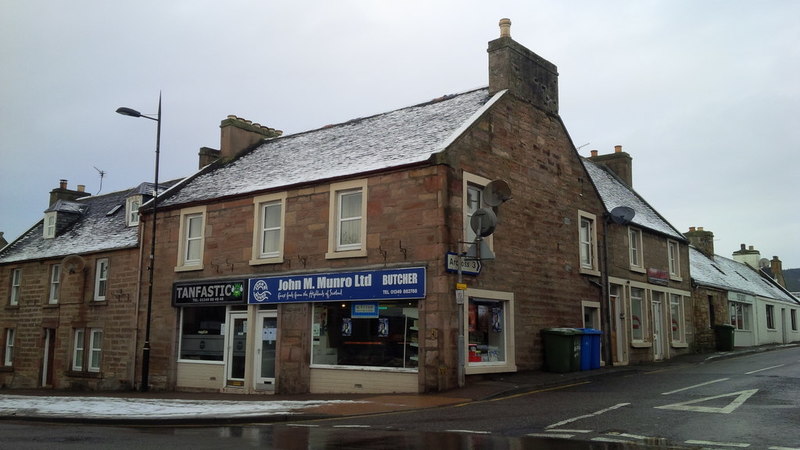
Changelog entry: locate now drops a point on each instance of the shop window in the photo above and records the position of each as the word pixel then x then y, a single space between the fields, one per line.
pixel 770 317
pixel 101 279
pixel 677 321
pixel 55 282
pixel 635 249
pixel 489 331
pixel 348 220
pixel 366 334
pixel 740 315
pixel 638 317
pixel 587 240
pixel 191 239
pixel 8 349
pixel 268 231
pixel 202 333
pixel 673 251
pixel 16 279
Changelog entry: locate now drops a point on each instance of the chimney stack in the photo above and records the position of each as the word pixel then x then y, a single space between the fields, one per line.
pixel 747 256
pixel 525 74
pixel 701 240
pixel 777 271
pixel 618 162
pixel 63 193
pixel 238 134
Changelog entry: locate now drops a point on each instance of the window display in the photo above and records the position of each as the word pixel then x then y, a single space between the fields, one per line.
pixel 373 334
pixel 203 333
pixel 487 337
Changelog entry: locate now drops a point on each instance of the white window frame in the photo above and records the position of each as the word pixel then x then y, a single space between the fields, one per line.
pixel 261 203
pixel 770 316
pixel 676 300
pixel 16 281
pixel 643 320
pixel 132 205
pixel 793 318
pixel 472 181
pixel 635 249
pixel 587 243
pixel 335 250
pixel 101 279
pixel 674 259
pixel 183 244
pixel 8 354
pixel 740 310
pixel 55 283
pixel 509 363
pixel 95 349
pixel 50 220
pixel 78 350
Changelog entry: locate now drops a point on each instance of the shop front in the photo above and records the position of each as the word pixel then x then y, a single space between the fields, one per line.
pixel 365 326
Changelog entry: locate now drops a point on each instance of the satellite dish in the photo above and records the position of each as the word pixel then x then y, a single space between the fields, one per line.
pixel 74 263
pixel 622 215
pixel 483 222
pixel 763 263
pixel 496 193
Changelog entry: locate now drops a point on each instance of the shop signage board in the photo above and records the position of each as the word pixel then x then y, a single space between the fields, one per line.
pixel 386 284
pixel 209 293
pixel 469 266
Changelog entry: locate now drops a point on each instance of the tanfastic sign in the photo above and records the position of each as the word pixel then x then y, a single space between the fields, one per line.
pixel 387 284
pixel 209 293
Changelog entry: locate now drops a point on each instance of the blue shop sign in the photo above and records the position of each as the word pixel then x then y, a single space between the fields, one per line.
pixel 387 284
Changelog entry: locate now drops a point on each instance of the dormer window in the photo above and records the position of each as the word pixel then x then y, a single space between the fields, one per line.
pixel 132 205
pixel 50 225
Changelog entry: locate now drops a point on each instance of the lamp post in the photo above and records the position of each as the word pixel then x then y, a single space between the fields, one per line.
pixel 145 383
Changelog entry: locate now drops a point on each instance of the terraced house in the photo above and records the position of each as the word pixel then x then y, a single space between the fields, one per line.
pixel 328 261
pixel 70 292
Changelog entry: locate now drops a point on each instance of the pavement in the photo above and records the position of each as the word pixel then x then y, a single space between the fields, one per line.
pixel 184 408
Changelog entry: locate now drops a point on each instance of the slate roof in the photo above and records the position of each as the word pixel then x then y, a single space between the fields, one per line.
pixel 397 138
pixel 613 192
pixel 730 275
pixel 100 227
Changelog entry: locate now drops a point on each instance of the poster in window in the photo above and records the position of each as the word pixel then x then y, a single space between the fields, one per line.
pixel 473 317
pixel 483 318
pixel 347 326
pixel 497 324
pixel 383 327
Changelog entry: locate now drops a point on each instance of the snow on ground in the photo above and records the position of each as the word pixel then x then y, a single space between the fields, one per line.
pixel 110 407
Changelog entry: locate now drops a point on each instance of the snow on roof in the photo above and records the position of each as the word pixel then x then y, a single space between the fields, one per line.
pixel 727 274
pixel 96 230
pixel 66 206
pixel 404 136
pixel 614 192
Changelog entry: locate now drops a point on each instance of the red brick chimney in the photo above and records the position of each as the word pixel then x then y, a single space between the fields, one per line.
pixel 619 162
pixel 701 240
pixel 525 74
pixel 63 193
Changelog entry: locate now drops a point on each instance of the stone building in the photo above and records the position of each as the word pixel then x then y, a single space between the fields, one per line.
pixel 649 309
pixel 328 261
pixel 70 292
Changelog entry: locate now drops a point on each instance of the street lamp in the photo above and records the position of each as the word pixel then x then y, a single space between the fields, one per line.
pixel 146 348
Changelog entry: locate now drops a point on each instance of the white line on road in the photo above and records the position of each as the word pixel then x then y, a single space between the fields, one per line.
pixel 570 431
pixel 784 448
pixel 551 435
pixel 469 431
pixel 586 416
pixel 351 426
pixel 765 368
pixel 696 385
pixel 741 397
pixel 720 444
pixel 605 439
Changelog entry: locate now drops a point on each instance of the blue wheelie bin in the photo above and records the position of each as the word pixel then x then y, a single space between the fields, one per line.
pixel 590 348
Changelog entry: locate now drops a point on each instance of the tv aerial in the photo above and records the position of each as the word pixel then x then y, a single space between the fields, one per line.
pixel 102 174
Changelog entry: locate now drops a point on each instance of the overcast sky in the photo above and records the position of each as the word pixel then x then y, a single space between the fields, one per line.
pixel 704 95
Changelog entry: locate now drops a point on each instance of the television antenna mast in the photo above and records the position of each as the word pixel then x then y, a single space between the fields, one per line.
pixel 102 174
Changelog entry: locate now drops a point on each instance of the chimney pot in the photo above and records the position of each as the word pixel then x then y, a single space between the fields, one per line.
pixel 700 228
pixel 751 247
pixel 81 188
pixel 62 184
pixel 505 28
pixel 594 153
pixel 744 247
pixel 692 228
pixel 617 149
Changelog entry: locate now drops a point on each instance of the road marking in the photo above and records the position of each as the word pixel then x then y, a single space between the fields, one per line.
pixel 626 435
pixel 605 439
pixel 522 394
pixel 551 435
pixel 586 416
pixel 571 431
pixel 741 397
pixel 696 385
pixel 766 368
pixel 351 426
pixel 301 425
pixel 468 431
pixel 784 448
pixel 721 444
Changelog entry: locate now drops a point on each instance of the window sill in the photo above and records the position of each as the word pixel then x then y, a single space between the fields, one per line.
pixel 489 367
pixel 680 345
pixel 675 278
pixel 641 344
pixel 593 272
pixel 6 369
pixel 260 261
pixel 346 254
pixel 637 269
pixel 188 268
